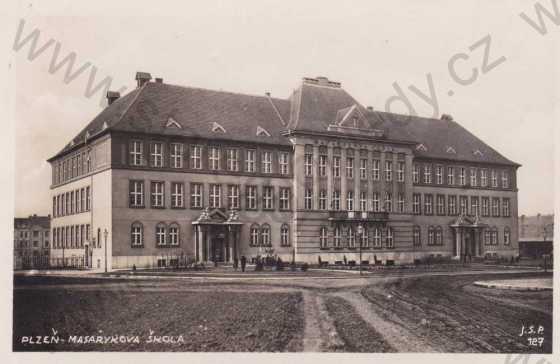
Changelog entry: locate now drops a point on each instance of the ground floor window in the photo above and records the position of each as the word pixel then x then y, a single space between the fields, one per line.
pixel 137 232
pixel 285 235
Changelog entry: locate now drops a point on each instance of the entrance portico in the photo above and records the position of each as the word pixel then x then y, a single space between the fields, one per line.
pixel 216 236
pixel 468 237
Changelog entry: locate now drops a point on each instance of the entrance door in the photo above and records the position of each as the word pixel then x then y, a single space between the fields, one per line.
pixel 218 245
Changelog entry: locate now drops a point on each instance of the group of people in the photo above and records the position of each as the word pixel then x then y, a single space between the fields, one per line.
pixel 260 262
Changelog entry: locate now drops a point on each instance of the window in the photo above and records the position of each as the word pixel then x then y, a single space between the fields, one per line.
pixel 214 158
pixel 323 237
pixel 156 154
pixel 176 155
pixel 350 167
pixel 416 236
pixel 496 207
pixel 389 240
pixel 452 205
pixel 136 153
pixel 284 198
pixel 505 207
pixel 439 236
pixel 196 159
pixel 400 172
pixel 375 200
pixel 254 233
pixel 473 177
pixel 363 168
pixel 494 179
pixel 377 237
pixel 351 238
pixel 483 177
pixel 336 200
pixel 431 236
pixel 177 195
pixel 72 202
pixel 388 171
pixel 462 176
pixel 505 179
pixel 215 196
pixel 232 160
pixel 251 196
pixel 388 202
pixel 363 201
pixel 463 205
pixel 507 236
pixel 157 194
pixel 428 204
pixel 474 205
pixel 416 204
pixel 323 165
pixel 427 174
pixel 284 235
pixel 336 166
pixel 400 202
pixel 196 195
pixel 174 234
pixel 440 204
pixel 323 199
pixel 450 176
pixel 336 239
pixel 439 175
pixel 82 199
pixel 308 199
pixel 485 206
pixel 265 234
pixel 283 162
pixel 267 162
pixel 160 234
pixel 308 164
pixel 233 197
pixel 415 174
pixel 250 161
pixel 495 236
pixel 88 198
pixel 268 197
pixel 136 194
pixel 350 200
pixel 375 171
pixel 364 238
pixel 487 237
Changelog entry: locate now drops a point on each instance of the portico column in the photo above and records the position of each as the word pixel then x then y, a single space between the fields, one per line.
pixel 196 242
pixel 457 244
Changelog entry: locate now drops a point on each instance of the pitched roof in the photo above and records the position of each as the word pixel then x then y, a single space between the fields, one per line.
pixel 312 107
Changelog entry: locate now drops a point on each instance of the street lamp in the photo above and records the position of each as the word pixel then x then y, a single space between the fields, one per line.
pixel 105 233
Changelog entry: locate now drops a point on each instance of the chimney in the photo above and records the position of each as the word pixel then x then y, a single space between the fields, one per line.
pixel 267 94
pixel 321 81
pixel 159 80
pixel 112 96
pixel 142 78
pixel 369 108
pixel 446 117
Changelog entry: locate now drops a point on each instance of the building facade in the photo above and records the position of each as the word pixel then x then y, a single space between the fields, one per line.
pixel 32 242
pixel 168 173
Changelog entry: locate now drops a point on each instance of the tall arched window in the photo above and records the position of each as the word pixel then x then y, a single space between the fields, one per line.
pixel 254 233
pixel 439 235
pixel 377 237
pixel 323 237
pixel 416 236
pixel 390 239
pixel 160 234
pixel 337 237
pixel 285 235
pixel 507 236
pixel 351 238
pixel 265 233
pixel 137 234
pixel 174 234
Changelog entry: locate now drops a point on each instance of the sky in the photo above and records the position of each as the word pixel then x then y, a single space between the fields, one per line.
pixel 260 46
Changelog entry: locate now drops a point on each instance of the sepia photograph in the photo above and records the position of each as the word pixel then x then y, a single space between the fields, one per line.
pixel 284 177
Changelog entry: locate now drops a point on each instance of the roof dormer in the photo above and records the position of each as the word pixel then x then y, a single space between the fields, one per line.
pixel 262 131
pixel 172 123
pixel 421 148
pixel 217 128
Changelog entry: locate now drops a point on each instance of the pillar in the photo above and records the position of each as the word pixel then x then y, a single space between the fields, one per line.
pixel 457 244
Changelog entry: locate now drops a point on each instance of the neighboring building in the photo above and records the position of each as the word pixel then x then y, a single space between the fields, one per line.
pixel 171 171
pixel 32 242
pixel 536 235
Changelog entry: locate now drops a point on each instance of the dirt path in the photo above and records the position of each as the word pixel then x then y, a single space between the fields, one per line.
pixel 395 335
pixel 319 332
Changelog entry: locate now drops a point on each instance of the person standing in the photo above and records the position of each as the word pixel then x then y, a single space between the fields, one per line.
pixel 243 263
pixel 235 263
